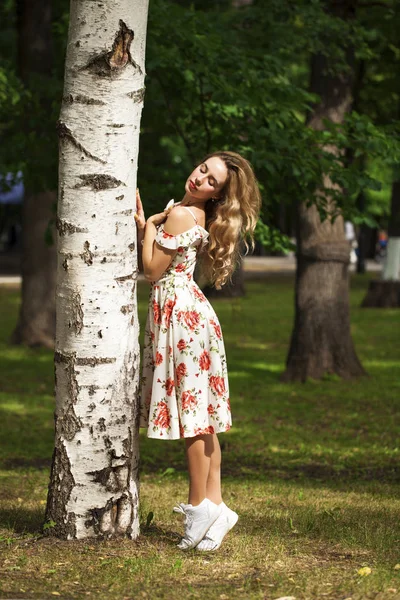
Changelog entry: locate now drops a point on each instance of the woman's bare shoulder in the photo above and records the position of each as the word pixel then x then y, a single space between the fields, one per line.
pixel 178 221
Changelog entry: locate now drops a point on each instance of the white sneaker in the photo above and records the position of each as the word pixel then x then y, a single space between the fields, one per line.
pixel 214 536
pixel 198 520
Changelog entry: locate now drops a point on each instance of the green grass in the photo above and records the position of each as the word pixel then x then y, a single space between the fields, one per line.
pixel 312 469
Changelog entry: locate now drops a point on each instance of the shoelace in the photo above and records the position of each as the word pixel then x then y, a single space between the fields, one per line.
pixel 180 508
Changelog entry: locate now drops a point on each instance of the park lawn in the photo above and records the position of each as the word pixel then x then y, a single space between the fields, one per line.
pixel 312 469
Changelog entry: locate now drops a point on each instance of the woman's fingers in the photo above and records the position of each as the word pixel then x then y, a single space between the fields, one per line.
pixel 138 201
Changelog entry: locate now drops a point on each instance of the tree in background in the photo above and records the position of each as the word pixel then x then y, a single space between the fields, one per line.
pixel 227 77
pixel 321 340
pixel 93 488
pixel 36 323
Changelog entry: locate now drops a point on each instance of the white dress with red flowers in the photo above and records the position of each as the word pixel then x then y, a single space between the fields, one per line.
pixel 184 384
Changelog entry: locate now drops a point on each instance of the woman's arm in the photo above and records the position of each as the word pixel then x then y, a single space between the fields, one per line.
pixel 156 258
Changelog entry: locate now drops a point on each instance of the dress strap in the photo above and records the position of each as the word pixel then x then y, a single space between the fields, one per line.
pixel 191 212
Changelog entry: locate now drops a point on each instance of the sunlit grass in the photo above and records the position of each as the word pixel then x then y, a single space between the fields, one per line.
pixel 312 469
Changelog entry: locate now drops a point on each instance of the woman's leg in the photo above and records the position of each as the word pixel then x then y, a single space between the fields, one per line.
pixel 213 488
pixel 204 464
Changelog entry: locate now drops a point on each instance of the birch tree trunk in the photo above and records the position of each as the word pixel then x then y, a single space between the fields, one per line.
pixel 93 490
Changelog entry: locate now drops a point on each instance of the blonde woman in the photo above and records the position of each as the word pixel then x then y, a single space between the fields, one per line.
pixel 184 385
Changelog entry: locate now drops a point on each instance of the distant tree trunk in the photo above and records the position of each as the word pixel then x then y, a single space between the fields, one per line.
pixel 36 323
pixel 93 490
pixel 385 292
pixel 321 342
pixel 37 317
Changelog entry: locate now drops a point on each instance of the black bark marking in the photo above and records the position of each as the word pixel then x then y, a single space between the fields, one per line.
pixel 100 335
pixel 64 227
pixel 102 424
pixel 107 442
pixel 108 478
pixel 110 64
pixel 64 133
pixel 69 424
pixel 92 405
pixel 93 362
pixel 77 313
pixel 128 211
pixel 120 197
pixel 97 516
pixel 120 420
pixel 138 95
pixel 87 255
pixel 65 263
pixel 127 308
pixel 81 99
pixel 103 260
pixel 131 246
pixel 70 361
pixel 124 278
pixel 98 182
pixel 60 488
pixel 117 125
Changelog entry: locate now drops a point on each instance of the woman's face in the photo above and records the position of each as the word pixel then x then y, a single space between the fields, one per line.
pixel 207 180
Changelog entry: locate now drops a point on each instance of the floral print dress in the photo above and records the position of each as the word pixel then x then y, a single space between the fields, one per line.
pixel 184 383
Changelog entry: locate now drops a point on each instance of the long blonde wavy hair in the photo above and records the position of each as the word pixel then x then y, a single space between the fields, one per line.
pixel 230 220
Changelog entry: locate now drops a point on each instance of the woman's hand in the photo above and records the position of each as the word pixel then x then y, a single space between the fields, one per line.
pixel 159 217
pixel 139 214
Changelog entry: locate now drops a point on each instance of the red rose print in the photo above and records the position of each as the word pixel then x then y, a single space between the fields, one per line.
pixel 163 418
pixel 167 235
pixel 181 345
pixel 206 430
pixel 179 267
pixel 198 293
pixel 168 308
pixel 192 319
pixel 210 409
pixel 181 371
pixel 204 361
pixel 180 249
pixel 152 336
pixel 189 401
pixel 229 404
pixel 159 358
pixel 169 386
pixel 217 329
pixel 217 384
pixel 170 350
pixel 156 313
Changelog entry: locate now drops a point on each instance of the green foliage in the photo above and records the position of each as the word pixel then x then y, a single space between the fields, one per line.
pixel 234 78
pixel 238 79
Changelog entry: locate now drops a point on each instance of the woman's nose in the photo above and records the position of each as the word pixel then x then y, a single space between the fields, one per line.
pixel 197 181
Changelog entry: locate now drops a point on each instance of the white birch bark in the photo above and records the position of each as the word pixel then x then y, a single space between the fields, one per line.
pixel 93 490
pixel 391 268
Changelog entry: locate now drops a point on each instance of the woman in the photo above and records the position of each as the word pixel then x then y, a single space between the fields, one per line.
pixel 184 386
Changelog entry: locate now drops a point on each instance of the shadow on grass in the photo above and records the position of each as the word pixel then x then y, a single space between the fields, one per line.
pixel 22 520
